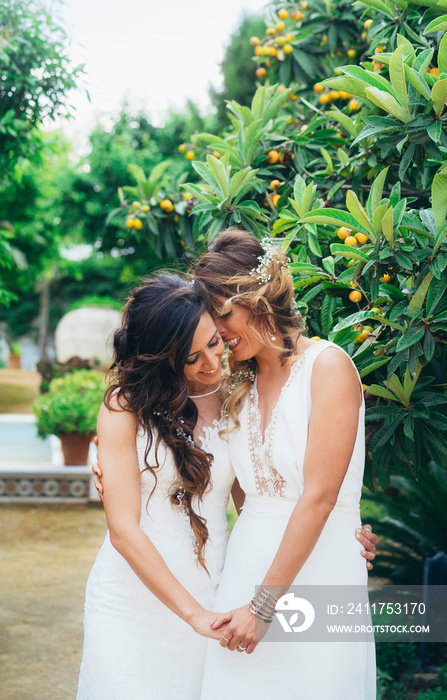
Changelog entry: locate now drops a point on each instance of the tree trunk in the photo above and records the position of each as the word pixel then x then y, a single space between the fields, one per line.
pixel 44 313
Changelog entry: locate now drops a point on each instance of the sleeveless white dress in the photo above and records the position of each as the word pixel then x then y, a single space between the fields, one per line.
pixel 135 648
pixel 271 474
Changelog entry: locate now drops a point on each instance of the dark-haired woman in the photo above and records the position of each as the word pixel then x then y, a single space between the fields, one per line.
pixel 297 446
pixel 167 479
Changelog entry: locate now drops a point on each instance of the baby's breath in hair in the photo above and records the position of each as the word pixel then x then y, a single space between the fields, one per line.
pixel 262 272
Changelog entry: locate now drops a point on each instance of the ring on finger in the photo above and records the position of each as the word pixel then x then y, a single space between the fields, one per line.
pixel 227 640
pixel 242 648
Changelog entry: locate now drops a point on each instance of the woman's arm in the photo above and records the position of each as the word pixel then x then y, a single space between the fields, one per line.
pixel 336 398
pixel 122 504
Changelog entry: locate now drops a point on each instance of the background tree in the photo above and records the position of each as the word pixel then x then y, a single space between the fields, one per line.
pixel 35 81
pixel 237 70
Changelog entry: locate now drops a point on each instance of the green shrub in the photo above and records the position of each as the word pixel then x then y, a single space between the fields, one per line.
pixel 71 404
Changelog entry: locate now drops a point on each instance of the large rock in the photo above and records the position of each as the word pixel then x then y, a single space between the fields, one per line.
pixel 87 333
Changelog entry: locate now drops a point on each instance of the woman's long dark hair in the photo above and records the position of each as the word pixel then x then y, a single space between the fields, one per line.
pixel 150 352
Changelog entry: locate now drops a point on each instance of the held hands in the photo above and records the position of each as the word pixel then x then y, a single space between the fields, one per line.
pixel 240 629
pixel 202 623
pixel 368 539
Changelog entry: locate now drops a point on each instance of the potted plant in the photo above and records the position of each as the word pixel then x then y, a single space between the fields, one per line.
pixel 69 410
pixel 15 353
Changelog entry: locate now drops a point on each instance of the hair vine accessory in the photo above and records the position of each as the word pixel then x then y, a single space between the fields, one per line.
pixel 179 432
pixel 239 377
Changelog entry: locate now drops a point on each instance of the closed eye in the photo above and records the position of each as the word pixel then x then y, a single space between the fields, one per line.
pixel 212 344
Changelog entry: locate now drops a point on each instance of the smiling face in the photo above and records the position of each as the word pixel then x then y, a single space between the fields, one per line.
pixel 237 333
pixel 203 367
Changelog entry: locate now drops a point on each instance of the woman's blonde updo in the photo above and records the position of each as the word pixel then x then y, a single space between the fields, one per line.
pixel 240 270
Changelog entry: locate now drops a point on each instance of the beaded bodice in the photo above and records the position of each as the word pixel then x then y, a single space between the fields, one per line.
pixel 268 480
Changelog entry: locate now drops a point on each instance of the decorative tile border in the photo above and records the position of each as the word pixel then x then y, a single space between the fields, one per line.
pixel 67 484
pixel 23 480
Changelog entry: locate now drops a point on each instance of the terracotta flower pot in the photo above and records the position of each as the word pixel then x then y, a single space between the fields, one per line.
pixel 75 448
pixel 14 361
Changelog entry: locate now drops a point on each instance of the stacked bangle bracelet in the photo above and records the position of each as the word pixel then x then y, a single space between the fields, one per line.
pixel 263 605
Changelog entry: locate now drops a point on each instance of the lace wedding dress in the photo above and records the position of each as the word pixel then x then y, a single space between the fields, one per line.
pixel 135 648
pixel 270 471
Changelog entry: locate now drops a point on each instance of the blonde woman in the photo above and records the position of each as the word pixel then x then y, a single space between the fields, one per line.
pixel 297 447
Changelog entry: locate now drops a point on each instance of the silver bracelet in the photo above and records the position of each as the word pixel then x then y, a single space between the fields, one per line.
pixel 263 605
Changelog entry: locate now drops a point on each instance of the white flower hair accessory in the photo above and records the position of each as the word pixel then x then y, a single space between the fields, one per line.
pixel 262 274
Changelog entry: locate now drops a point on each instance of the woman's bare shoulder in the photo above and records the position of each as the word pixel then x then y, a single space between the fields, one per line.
pixel 116 415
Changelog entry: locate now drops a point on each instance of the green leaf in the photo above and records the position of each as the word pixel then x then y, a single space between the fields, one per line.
pixel 344 337
pixel 418 297
pixel 258 102
pixel 429 346
pixel 406 160
pixel 285 245
pixel 373 366
pixel 393 383
pixel 334 217
pixel 375 195
pixel 439 196
pixel 138 173
pixel 355 207
pixel 345 121
pixel 377 5
pixel 343 157
pixel 440 238
pixel 307 199
pixel 435 445
pixel 349 251
pixel 410 338
pixel 435 130
pixel 158 171
pixel 378 217
pixel 216 227
pixel 327 307
pixel 199 194
pixel 312 241
pixel 417 81
pixel 422 62
pixel 386 102
pixel 435 294
pixel 206 174
pixel 437 25
pixel 377 390
pixel 220 169
pixel 387 226
pixel 329 265
pixel 330 167
pixel 380 439
pixel 299 189
pixel 439 95
pixel 397 76
pixel 239 182
pixel 312 293
pixel 275 105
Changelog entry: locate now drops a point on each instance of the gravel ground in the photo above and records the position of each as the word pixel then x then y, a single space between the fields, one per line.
pixel 46 553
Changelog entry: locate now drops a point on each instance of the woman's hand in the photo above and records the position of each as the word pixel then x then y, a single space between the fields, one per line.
pixel 243 630
pixel 97 471
pixel 368 539
pixel 202 624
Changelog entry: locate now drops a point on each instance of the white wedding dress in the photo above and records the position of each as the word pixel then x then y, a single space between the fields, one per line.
pixel 271 474
pixel 135 648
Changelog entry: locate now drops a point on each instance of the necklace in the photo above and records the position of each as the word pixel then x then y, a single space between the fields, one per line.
pixel 203 395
